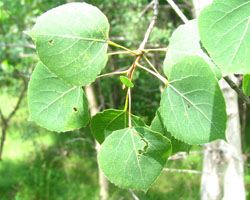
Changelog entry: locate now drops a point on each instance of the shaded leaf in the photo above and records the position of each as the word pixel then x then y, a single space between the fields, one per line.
pixel 104 123
pixel 192 105
pixel 134 158
pixel 225 33
pixel 72 40
pixel 54 104
pixel 157 125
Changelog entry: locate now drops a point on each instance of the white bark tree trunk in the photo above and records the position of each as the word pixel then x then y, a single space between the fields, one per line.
pixel 223 171
pixel 103 182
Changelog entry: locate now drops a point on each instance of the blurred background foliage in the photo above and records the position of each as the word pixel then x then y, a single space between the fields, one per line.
pixel 42 165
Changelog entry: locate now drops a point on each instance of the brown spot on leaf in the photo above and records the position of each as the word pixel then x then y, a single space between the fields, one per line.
pixel 51 42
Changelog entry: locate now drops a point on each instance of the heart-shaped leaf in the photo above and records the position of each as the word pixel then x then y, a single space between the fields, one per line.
pixel 225 32
pixel 54 104
pixel 72 40
pixel 104 123
pixel 133 158
pixel 186 41
pixel 192 106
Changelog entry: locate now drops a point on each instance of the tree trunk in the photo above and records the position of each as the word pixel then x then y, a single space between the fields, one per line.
pixel 103 182
pixel 223 172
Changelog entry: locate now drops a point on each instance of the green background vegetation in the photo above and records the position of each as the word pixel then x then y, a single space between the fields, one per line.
pixel 38 164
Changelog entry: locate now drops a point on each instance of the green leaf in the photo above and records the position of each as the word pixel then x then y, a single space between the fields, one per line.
pixel 157 125
pixel 186 41
pixel 133 158
pixel 104 123
pixel 246 84
pixel 72 40
pixel 192 105
pixel 225 33
pixel 126 81
pixel 54 104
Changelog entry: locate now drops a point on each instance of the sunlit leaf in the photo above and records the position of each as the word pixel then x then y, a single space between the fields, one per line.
pixel 133 158
pixel 126 81
pixel 186 41
pixel 225 33
pixel 72 40
pixel 54 104
pixel 192 105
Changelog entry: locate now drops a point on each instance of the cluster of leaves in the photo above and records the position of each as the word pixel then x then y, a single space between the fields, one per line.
pixel 72 53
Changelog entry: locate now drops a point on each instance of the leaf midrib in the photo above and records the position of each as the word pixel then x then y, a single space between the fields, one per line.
pixel 184 97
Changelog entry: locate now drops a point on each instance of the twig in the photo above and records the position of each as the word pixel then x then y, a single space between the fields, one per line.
pixel 122 47
pixel 112 73
pixel 133 195
pixel 159 49
pixel 5 120
pixel 151 25
pixel 18 102
pixel 151 65
pixel 178 11
pixel 79 139
pixel 182 171
pixel 182 155
pixel 118 52
pixel 237 90
pixel 147 7
pixel 163 79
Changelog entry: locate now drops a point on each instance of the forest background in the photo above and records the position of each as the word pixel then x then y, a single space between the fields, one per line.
pixel 39 164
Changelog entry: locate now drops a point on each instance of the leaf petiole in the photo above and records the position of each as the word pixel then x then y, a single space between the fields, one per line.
pixel 160 49
pixel 122 47
pixel 163 79
pixel 129 109
pixel 151 65
pixel 126 103
pixel 112 73
pixel 118 53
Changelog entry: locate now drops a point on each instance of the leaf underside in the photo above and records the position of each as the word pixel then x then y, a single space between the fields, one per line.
pixel 54 104
pixel 134 158
pixel 72 40
pixel 192 105
pixel 225 33
pixel 104 123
